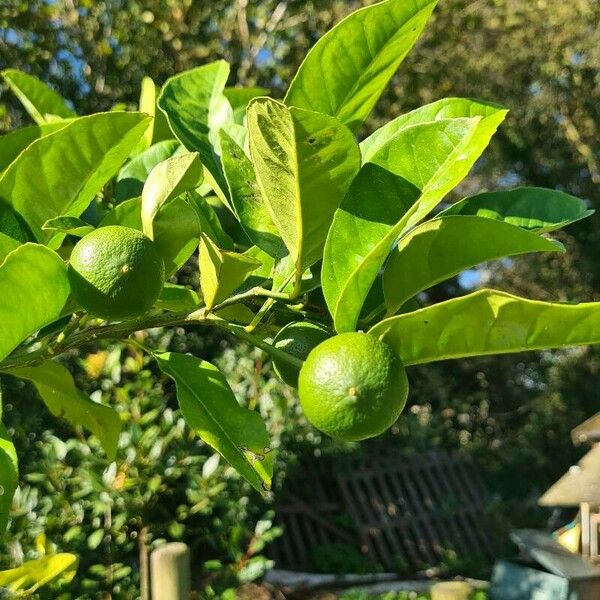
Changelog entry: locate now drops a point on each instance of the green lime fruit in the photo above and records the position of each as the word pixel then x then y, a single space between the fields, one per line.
pixel 353 386
pixel 116 272
pixel 297 339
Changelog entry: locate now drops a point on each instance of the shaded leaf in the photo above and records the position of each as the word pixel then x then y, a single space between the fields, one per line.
pixel 57 389
pixel 212 411
pixel 488 322
pixel 60 173
pixel 177 298
pixel 443 247
pixel 7 245
pixel 68 225
pixel 37 98
pixel 537 209
pixel 304 164
pixel 239 97
pixel 222 272
pixel 346 71
pixel 13 224
pixel 34 289
pixel 209 221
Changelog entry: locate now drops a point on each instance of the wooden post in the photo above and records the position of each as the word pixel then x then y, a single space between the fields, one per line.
pixel 451 590
pixel 585 529
pixel 170 572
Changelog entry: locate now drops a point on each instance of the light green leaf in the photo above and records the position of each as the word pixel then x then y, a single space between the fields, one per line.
pixel 176 228
pixel 147 105
pixel 239 98
pixel 488 322
pixel 209 221
pixel 166 181
pixel 212 411
pixel 247 201
pixel 346 71
pixel 447 108
pixel 196 110
pixel 177 298
pixel 57 389
pixel 304 164
pixel 37 98
pixel 537 209
pixel 59 174
pixel 68 225
pixel 9 476
pixel 443 247
pixel 222 272
pixel 32 575
pixel 13 143
pixel 363 232
pixel 34 289
pixel 131 178
pixel 7 245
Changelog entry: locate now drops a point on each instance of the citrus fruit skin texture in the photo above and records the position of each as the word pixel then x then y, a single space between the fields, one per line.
pixel 116 272
pixel 297 339
pixel 353 387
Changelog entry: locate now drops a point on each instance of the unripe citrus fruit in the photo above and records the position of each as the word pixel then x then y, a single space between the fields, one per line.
pixel 352 386
pixel 116 272
pixel 297 339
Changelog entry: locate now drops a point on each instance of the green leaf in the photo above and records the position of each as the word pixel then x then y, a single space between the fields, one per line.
pixel 166 181
pixel 34 289
pixel 176 228
pixel 34 574
pixel 488 322
pixel 9 476
pixel 304 164
pixel 239 97
pixel 447 108
pixel 57 389
pixel 443 247
pixel 13 143
pixel 362 234
pixel 59 174
pixel 13 224
pixel 209 221
pixel 159 129
pixel 131 178
pixel 68 225
pixel 222 272
pixel 346 71
pixel 537 209
pixel 7 245
pixel 196 110
pixel 212 411
pixel 177 298
pixel 37 98
pixel 247 201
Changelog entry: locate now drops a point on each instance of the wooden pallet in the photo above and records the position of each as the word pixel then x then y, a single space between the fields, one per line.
pixel 407 514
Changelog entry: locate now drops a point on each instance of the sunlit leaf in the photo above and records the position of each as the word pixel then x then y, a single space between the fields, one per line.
pixel 34 289
pixel 346 71
pixel 488 322
pixel 34 574
pixel 68 225
pixel 7 245
pixel 9 476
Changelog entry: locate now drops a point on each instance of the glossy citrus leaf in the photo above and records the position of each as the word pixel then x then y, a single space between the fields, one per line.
pixel 34 289
pixel 7 245
pixel 167 180
pixel 176 228
pixel 239 97
pixel 446 108
pixel 37 98
pixel 488 322
pixel 196 110
pixel 246 199
pixel 60 173
pixel 13 224
pixel 537 209
pixel 33 574
pixel 346 71
pixel 445 246
pixel 13 143
pixel 362 234
pixel 68 225
pixel 57 389
pixel 209 221
pixel 304 163
pixel 9 476
pixel 131 178
pixel 177 298
pixel 222 272
pixel 210 408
